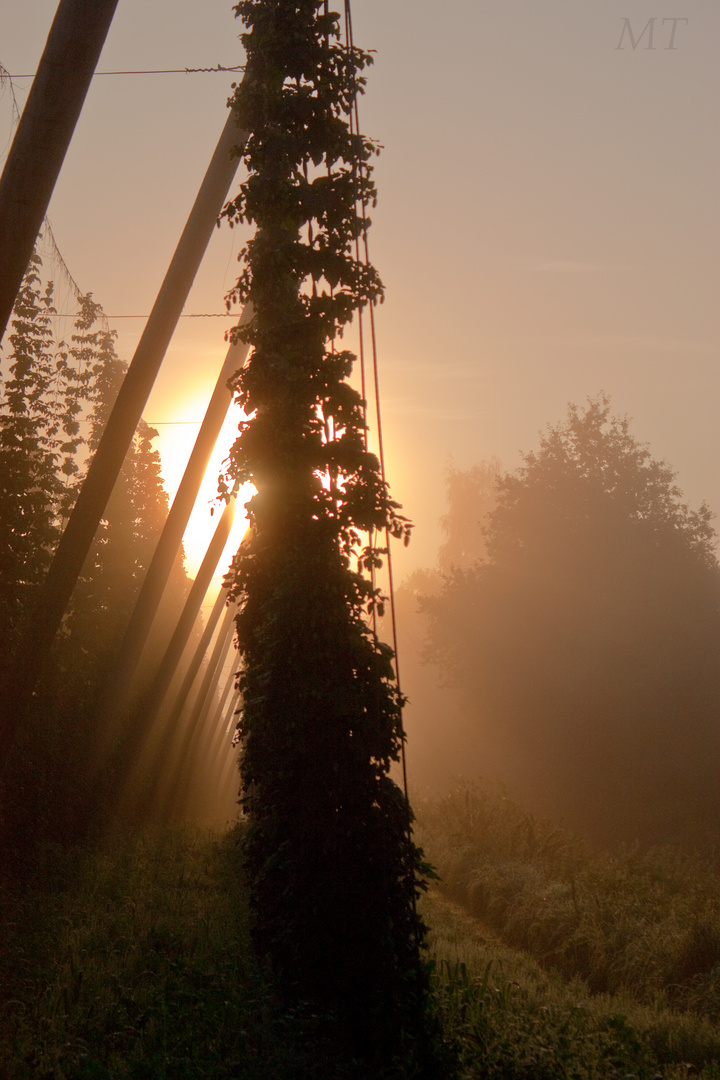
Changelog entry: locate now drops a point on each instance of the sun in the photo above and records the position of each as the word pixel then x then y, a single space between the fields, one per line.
pixel 174 444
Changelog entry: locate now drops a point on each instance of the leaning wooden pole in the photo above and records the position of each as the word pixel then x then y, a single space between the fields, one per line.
pixel 46 127
pixel 203 761
pixel 168 545
pixel 108 459
pixel 112 726
pixel 216 723
pixel 182 758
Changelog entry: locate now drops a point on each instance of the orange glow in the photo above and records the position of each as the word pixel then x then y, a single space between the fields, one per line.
pixel 175 442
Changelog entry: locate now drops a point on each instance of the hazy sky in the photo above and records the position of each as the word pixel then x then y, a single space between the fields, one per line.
pixel 547 225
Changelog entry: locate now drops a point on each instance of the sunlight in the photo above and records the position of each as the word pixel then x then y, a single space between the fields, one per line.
pixel 174 444
pixel 178 425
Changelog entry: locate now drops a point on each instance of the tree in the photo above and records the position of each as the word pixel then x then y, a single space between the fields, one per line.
pixel 471 495
pixel 586 647
pixel 56 400
pixel 332 868
pixel 30 423
pixel 133 518
pixel 103 598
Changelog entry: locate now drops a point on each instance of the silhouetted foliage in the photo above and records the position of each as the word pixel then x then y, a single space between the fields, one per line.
pixel 30 480
pixel 586 646
pixel 135 514
pixel 56 399
pixel 332 868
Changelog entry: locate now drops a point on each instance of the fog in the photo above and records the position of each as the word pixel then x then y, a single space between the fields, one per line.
pixel 565 644
pixel 547 229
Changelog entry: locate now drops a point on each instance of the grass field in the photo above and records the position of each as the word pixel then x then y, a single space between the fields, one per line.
pixel 135 963
pixel 594 963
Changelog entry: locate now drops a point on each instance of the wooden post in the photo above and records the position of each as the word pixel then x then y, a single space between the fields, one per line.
pixel 111 724
pixel 171 536
pixel 183 758
pixel 108 459
pixel 46 127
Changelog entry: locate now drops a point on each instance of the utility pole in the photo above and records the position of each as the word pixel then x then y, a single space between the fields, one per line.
pixel 46 127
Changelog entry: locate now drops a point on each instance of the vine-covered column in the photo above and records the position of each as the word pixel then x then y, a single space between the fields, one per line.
pixel 332 868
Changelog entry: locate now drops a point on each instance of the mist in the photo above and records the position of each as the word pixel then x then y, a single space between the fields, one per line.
pixel 565 644
pixel 223 844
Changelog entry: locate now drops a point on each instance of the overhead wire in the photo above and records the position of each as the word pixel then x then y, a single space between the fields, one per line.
pixel 183 315
pixel 46 232
pixel 6 76
pixel 154 71
pixel 355 130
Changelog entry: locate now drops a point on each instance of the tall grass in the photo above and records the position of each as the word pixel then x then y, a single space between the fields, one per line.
pixel 511 1020
pixel 640 925
pixel 134 963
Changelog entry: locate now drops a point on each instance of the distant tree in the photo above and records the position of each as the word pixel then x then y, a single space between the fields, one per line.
pixel 102 599
pixel 55 403
pixel 471 496
pixel 137 508
pixel 586 646
pixel 106 591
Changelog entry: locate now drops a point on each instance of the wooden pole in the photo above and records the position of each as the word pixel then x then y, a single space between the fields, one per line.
pixel 108 459
pixel 112 721
pixel 46 127
pixel 171 536
pixel 183 757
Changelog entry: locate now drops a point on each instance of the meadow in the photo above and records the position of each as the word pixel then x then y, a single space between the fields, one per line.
pixel 571 961
pixel 549 960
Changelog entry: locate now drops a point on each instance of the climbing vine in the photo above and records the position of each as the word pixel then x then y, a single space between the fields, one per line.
pixel 55 398
pixel 332 867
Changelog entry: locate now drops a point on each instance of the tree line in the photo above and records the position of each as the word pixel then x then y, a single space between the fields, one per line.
pixel 55 400
pixel 574 623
